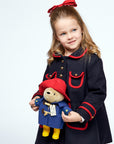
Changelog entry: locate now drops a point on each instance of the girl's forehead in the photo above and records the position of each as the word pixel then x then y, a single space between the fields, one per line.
pixel 69 18
pixel 65 22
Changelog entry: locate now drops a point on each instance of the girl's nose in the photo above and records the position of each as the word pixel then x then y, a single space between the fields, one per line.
pixel 69 36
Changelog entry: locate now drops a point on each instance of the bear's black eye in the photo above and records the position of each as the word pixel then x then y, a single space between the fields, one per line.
pixel 48 92
pixel 54 94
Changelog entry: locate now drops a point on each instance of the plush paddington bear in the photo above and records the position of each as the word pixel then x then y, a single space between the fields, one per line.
pixel 51 106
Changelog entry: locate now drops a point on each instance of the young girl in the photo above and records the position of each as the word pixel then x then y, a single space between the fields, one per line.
pixel 75 58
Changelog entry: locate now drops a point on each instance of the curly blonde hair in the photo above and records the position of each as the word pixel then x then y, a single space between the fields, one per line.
pixel 86 43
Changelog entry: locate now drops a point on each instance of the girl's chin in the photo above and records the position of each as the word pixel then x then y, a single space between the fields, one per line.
pixel 71 49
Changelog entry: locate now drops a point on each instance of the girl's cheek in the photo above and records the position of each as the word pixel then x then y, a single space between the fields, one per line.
pixel 62 40
pixel 79 36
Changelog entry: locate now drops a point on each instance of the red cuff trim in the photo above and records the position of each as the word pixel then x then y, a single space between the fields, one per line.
pixel 36 94
pixel 77 57
pixel 90 106
pixel 86 111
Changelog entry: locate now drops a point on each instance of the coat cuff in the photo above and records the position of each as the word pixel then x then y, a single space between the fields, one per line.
pixel 37 94
pixel 87 111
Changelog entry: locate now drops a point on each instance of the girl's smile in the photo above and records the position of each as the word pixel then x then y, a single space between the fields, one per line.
pixel 72 42
pixel 69 33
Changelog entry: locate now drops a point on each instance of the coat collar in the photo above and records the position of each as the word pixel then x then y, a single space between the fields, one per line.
pixel 76 55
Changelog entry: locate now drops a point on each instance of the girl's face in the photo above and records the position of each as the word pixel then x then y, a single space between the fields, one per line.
pixel 69 34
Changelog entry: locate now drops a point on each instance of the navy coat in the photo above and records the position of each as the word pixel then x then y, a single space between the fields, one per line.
pixel 86 87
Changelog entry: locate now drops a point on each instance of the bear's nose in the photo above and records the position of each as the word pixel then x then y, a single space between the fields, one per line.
pixel 48 92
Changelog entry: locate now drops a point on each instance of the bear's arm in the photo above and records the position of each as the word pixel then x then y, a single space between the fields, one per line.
pixel 65 107
pixel 38 101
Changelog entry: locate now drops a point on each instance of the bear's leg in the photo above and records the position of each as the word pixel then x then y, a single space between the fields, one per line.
pixel 56 134
pixel 46 131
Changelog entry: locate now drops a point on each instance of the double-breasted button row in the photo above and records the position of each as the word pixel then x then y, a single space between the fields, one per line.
pixel 62 67
pixel 62 61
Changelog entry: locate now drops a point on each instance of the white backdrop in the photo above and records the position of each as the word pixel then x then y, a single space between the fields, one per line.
pixel 25 37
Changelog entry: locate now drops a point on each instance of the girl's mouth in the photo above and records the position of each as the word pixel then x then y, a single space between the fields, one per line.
pixel 71 42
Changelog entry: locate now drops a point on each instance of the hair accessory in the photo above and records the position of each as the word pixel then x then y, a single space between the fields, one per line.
pixel 65 3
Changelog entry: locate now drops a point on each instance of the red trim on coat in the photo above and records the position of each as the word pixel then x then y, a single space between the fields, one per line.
pixel 37 94
pixel 77 57
pixel 41 126
pixel 86 111
pixel 90 106
pixel 57 56
pixel 69 104
pixel 70 79
pixel 78 128
pixel 49 77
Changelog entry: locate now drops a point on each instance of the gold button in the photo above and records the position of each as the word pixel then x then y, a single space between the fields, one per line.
pixel 92 117
pixel 62 61
pixel 50 75
pixel 61 75
pixel 62 68
pixel 76 74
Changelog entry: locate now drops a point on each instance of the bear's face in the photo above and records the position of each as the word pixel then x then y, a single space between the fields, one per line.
pixel 52 95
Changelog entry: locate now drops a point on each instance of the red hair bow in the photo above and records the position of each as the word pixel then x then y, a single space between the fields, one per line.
pixel 65 3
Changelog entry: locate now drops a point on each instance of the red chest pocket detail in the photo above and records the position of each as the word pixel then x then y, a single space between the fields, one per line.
pixel 76 81
pixel 50 76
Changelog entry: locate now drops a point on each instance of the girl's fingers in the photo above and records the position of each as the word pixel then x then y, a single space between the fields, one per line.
pixel 72 117
pixel 35 108
pixel 32 102
pixel 65 117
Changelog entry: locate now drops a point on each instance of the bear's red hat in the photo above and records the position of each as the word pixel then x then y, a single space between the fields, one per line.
pixel 55 83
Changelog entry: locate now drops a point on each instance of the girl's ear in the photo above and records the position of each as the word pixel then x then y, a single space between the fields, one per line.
pixel 82 33
pixel 55 36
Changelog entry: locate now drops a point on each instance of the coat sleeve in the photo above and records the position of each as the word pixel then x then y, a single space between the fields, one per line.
pixel 65 107
pixel 96 89
pixel 38 93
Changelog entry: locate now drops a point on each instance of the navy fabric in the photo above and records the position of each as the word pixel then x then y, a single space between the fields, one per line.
pixel 86 88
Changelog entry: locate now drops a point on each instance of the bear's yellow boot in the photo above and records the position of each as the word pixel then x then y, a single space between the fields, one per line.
pixel 46 131
pixel 56 134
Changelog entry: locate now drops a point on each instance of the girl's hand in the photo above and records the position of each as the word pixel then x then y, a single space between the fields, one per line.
pixel 72 117
pixel 32 104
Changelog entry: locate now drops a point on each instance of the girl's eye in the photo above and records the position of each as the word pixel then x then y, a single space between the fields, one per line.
pixel 74 30
pixel 63 34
